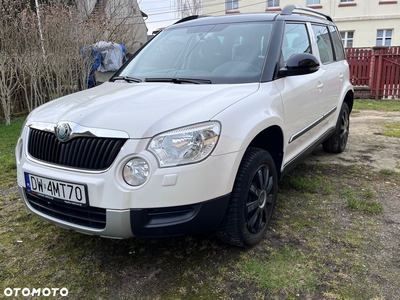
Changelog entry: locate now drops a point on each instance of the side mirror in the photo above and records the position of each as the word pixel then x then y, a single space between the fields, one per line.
pixel 300 64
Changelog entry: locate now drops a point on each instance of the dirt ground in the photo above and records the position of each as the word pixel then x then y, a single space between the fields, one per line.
pixel 366 144
pixel 362 253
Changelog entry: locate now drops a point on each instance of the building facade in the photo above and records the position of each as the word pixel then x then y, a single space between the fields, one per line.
pixel 362 23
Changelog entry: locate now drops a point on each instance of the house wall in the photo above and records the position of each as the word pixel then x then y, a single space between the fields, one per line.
pixel 364 17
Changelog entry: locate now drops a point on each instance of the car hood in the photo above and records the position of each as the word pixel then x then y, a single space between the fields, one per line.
pixel 142 109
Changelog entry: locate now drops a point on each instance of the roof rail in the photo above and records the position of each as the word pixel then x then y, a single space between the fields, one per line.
pixel 288 10
pixel 192 17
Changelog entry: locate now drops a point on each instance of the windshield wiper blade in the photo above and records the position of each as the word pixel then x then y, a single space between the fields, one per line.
pixel 126 78
pixel 179 80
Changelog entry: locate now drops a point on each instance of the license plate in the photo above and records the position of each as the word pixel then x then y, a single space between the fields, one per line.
pixel 71 193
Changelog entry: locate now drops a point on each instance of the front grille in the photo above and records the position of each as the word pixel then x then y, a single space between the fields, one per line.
pixel 92 217
pixel 90 153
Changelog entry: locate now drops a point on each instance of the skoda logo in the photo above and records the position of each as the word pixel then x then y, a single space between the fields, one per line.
pixel 63 131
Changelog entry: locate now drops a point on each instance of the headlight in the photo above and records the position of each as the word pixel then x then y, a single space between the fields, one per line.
pixel 136 171
pixel 185 145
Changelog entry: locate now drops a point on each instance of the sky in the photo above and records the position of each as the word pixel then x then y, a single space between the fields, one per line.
pixel 161 13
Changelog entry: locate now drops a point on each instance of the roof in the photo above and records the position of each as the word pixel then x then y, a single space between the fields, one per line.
pixel 290 12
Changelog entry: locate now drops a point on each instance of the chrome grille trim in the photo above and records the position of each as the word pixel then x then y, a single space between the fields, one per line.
pixel 84 151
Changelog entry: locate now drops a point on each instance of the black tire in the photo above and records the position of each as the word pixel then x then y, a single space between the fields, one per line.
pixel 337 142
pixel 252 201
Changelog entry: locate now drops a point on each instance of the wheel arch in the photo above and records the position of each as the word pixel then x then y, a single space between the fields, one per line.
pixel 263 141
pixel 349 99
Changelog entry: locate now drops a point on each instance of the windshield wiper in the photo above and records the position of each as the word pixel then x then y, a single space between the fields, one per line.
pixel 126 78
pixel 179 80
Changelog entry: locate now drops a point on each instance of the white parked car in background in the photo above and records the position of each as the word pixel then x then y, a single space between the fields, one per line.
pixel 194 132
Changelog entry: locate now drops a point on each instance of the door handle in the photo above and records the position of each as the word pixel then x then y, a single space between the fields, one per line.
pixel 320 86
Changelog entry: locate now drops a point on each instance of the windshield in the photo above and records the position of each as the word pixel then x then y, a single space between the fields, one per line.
pixel 223 53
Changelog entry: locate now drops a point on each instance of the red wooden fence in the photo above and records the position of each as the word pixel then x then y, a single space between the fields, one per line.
pixel 386 79
pixel 377 68
pixel 359 60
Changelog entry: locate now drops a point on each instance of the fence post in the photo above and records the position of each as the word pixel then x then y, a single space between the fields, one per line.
pixel 377 50
pixel 371 73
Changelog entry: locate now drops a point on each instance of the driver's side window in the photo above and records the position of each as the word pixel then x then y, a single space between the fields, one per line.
pixel 295 40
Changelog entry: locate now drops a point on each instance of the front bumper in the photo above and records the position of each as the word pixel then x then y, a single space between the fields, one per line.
pixel 126 223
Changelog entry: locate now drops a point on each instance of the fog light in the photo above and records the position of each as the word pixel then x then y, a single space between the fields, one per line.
pixel 136 171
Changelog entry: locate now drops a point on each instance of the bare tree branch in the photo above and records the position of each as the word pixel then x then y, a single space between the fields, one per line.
pixel 188 7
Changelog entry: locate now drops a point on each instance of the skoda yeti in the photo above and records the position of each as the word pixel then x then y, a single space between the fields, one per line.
pixel 194 132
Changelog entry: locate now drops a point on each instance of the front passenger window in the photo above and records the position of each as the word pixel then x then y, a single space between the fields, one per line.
pixel 295 40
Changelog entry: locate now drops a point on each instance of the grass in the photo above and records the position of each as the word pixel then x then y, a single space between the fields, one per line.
pixel 8 137
pixel 329 239
pixel 389 172
pixel 365 205
pixel 382 105
pixel 330 229
pixel 308 252
pixel 279 269
pixel 305 184
pixel 391 129
pixel 362 201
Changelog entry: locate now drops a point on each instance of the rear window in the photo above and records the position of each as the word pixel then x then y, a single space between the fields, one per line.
pixel 337 43
pixel 324 43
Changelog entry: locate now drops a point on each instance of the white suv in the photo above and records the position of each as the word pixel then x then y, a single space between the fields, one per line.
pixel 194 132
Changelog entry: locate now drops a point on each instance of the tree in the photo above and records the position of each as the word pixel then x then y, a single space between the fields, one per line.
pixel 188 7
pixel 32 76
pixel 8 85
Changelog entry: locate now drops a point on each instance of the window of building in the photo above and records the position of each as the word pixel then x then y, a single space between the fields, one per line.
pixel 273 3
pixel 232 4
pixel 347 38
pixel 384 37
pixel 345 3
pixel 313 2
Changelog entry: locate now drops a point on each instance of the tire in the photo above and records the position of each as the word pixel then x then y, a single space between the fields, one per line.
pixel 252 200
pixel 337 142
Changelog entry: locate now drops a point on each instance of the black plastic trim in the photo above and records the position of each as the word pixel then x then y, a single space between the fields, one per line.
pixel 178 220
pixel 88 216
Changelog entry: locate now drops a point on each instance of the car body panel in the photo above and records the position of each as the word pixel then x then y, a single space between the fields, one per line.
pixel 142 109
pixel 286 114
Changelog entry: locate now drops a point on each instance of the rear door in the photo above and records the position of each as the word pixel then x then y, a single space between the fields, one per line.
pixel 334 67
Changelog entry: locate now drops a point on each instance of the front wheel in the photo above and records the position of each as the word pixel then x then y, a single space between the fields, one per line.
pixel 338 141
pixel 252 201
